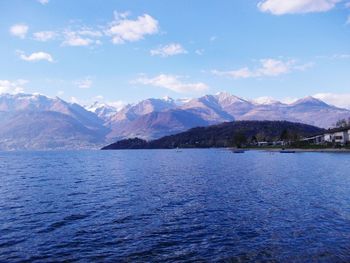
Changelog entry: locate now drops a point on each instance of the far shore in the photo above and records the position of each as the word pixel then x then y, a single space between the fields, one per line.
pixel 297 150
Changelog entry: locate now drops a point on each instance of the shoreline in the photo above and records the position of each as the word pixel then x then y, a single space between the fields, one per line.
pixel 296 150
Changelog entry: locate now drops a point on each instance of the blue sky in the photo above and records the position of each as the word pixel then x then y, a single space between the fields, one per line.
pixel 131 50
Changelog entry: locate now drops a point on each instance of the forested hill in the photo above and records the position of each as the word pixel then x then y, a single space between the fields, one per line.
pixel 224 135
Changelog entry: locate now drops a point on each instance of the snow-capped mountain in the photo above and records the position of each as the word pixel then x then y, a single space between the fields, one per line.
pixel 102 110
pixel 38 122
pixel 133 111
pixel 208 108
pixel 222 107
pixel 33 121
pixel 40 103
pixel 233 105
pixel 265 101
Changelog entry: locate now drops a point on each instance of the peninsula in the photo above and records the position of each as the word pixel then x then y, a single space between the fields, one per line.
pixel 227 134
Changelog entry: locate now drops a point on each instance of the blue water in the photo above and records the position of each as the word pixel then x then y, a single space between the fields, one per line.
pixel 170 206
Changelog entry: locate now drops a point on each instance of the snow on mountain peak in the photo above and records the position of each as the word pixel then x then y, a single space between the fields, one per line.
pixel 182 101
pixel 168 99
pixel 310 101
pixel 265 101
pixel 227 98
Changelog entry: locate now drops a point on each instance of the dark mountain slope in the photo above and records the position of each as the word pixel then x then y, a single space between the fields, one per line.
pixel 222 135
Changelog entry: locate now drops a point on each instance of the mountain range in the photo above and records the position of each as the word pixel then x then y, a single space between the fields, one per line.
pixel 32 121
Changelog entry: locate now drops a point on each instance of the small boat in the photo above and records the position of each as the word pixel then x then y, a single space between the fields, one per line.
pixel 238 151
pixel 286 151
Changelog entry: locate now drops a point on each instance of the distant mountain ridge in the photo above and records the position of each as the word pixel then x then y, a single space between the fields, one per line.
pixel 33 121
pixel 222 107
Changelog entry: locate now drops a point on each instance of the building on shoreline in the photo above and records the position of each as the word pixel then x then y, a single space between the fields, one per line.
pixel 274 143
pixel 338 136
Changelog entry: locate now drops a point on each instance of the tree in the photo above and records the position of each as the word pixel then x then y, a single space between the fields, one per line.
pixel 294 137
pixel 284 135
pixel 261 136
pixel 343 123
pixel 254 139
pixel 239 139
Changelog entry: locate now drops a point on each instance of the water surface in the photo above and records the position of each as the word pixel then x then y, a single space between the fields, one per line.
pixel 170 206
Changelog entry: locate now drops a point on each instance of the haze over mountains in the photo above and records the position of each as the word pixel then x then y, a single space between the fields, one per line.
pixel 38 122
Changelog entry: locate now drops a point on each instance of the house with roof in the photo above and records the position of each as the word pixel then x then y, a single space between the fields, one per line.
pixel 340 136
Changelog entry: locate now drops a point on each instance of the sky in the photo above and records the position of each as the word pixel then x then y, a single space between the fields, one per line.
pixel 125 51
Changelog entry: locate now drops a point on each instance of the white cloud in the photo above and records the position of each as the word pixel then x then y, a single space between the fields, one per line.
pixel 236 74
pixel 335 56
pixel 37 56
pixel 281 7
pixel 341 56
pixel 74 39
pixel 303 67
pixel 268 68
pixel 347 5
pixel 81 36
pixel 339 100
pixel 199 52
pixel 43 2
pixel 124 30
pixel 19 30
pixel 213 38
pixel 84 83
pixel 44 36
pixel 12 87
pixel 85 31
pixel 168 50
pixel 84 36
pixel 273 67
pixel 171 82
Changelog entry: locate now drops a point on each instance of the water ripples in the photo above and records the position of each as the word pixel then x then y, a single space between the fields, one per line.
pixel 166 206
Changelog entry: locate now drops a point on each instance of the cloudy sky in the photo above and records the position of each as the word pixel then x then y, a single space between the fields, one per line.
pixel 113 50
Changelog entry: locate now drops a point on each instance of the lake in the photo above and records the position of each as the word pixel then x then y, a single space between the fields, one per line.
pixel 171 206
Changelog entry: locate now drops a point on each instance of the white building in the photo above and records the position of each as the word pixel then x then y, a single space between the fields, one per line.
pixel 339 136
pixel 336 136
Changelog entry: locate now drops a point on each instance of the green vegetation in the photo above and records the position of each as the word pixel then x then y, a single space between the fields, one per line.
pixel 239 139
